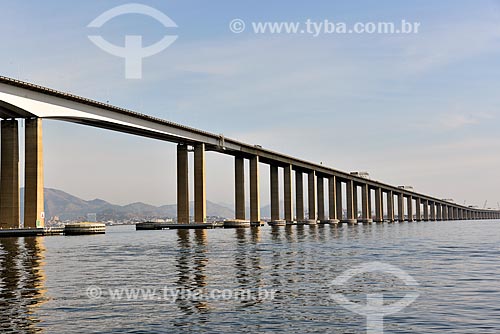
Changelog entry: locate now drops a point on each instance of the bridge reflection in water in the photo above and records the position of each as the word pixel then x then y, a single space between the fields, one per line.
pixel 22 285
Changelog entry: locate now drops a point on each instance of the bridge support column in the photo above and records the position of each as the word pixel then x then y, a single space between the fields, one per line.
pixel 355 205
pixel 338 199
pixel 390 206
pixel 275 198
pixel 311 195
pixel 439 212
pixel 182 184
pixel 34 215
pixel 426 210
pixel 321 198
pixel 332 200
pixel 401 208
pixel 365 215
pixel 200 193
pixel 239 188
pixel 9 183
pixel 418 209
pixel 350 219
pixel 379 211
pixel 450 213
pixel 409 207
pixel 370 204
pixel 254 191
pixel 287 193
pixel 445 211
pixel 299 195
pixel 433 211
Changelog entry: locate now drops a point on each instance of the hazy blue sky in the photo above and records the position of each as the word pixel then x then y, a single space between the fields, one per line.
pixel 420 109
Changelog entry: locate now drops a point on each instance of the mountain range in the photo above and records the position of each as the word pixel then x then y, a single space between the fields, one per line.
pixel 69 207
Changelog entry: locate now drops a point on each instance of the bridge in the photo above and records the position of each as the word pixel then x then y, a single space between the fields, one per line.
pixel 22 100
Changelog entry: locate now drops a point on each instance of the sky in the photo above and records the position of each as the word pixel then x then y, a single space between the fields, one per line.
pixel 411 109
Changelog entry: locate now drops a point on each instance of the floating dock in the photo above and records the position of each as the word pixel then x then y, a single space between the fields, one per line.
pixel 84 228
pixel 176 226
pixel 28 232
pixel 68 229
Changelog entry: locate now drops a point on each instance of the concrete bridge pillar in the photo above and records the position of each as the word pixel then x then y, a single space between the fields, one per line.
pixel 338 199
pixel 379 209
pixel 355 206
pixel 401 208
pixel 311 194
pixel 350 219
pixel 254 190
pixel 433 211
pixel 426 210
pixel 275 198
pixel 9 182
pixel 321 197
pixel 409 205
pixel 418 209
pixel 287 193
pixel 390 206
pixel 370 204
pixel 439 212
pixel 239 188
pixel 200 193
pixel 182 184
pixel 34 215
pixel 365 214
pixel 332 200
pixel 299 195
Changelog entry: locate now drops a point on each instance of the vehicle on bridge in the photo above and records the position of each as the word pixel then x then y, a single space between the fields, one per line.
pixel 364 175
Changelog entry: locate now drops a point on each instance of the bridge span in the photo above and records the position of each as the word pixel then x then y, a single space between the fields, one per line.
pixel 22 100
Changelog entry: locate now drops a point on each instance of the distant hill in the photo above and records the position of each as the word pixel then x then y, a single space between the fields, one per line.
pixel 66 206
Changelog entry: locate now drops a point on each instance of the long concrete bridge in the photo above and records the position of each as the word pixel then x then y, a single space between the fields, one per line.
pixel 21 100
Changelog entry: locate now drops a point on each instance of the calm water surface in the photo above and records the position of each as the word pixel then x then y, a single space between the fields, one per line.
pixel 47 284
